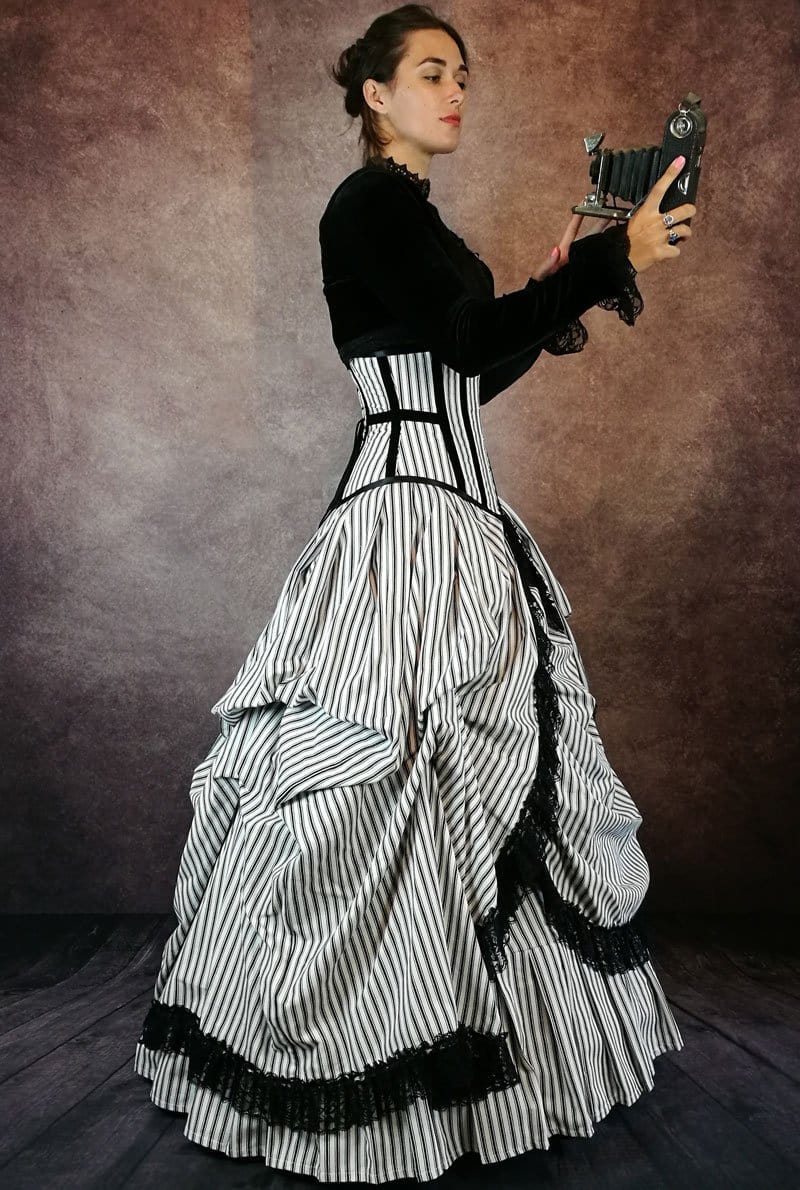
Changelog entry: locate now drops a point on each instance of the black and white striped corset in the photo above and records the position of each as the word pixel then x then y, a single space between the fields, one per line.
pixel 420 422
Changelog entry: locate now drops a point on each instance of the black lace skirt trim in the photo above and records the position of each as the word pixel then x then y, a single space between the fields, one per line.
pixel 520 867
pixel 462 1066
pixel 626 298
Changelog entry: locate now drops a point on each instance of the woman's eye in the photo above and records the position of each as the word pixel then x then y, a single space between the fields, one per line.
pixel 435 78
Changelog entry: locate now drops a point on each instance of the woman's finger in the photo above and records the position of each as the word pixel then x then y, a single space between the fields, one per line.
pixel 569 235
pixel 567 238
pixel 559 256
pixel 551 265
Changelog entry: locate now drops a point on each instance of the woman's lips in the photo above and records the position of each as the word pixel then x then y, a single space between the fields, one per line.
pixel 451 120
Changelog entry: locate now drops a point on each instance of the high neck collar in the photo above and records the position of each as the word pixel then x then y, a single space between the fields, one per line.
pixel 423 185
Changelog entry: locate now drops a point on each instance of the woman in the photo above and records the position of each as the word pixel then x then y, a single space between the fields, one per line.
pixel 409 900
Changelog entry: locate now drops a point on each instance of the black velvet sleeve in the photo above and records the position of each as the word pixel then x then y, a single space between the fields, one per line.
pixel 572 337
pixel 626 298
pixel 497 379
pixel 385 237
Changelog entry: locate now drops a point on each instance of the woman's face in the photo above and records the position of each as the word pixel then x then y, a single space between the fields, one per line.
pixel 412 107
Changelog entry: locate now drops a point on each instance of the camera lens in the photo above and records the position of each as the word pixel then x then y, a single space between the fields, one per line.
pixel 681 126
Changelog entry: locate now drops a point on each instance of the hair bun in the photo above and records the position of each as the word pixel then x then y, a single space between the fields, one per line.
pixel 351 64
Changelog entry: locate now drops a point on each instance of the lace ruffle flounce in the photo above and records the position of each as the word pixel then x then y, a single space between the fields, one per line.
pixel 458 1067
pixel 521 867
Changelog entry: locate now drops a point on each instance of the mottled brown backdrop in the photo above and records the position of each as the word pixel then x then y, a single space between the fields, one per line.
pixel 176 417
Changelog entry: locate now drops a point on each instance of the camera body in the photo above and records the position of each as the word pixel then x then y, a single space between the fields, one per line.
pixel 630 174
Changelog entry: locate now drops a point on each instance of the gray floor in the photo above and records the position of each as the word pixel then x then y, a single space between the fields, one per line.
pixel 724 1112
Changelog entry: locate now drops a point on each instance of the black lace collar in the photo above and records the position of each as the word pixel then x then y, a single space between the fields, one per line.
pixel 398 167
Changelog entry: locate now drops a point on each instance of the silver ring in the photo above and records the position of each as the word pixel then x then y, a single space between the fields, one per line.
pixel 673 237
pixel 669 219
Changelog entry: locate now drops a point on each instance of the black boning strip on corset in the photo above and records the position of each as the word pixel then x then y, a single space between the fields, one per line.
pixel 404 415
pixel 467 420
pixel 457 1067
pixel 394 411
pixel 437 368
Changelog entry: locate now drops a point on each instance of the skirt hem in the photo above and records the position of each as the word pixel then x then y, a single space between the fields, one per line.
pixel 311 1169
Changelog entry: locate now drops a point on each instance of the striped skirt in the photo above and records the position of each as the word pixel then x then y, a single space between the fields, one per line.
pixel 409 904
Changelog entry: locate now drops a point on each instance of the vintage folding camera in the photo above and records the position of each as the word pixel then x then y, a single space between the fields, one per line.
pixel 629 174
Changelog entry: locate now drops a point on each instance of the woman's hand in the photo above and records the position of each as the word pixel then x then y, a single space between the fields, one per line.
pixel 646 230
pixel 560 254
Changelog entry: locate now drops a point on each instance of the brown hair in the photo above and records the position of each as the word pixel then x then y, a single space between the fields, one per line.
pixel 377 55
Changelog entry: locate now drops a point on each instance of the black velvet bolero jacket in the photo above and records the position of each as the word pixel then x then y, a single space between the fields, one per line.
pixel 396 278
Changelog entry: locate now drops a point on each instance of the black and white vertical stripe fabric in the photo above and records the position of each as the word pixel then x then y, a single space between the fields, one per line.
pixel 420 419
pixel 328 1000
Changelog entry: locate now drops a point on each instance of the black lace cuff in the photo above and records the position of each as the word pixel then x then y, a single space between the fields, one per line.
pixel 625 298
pixel 568 340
